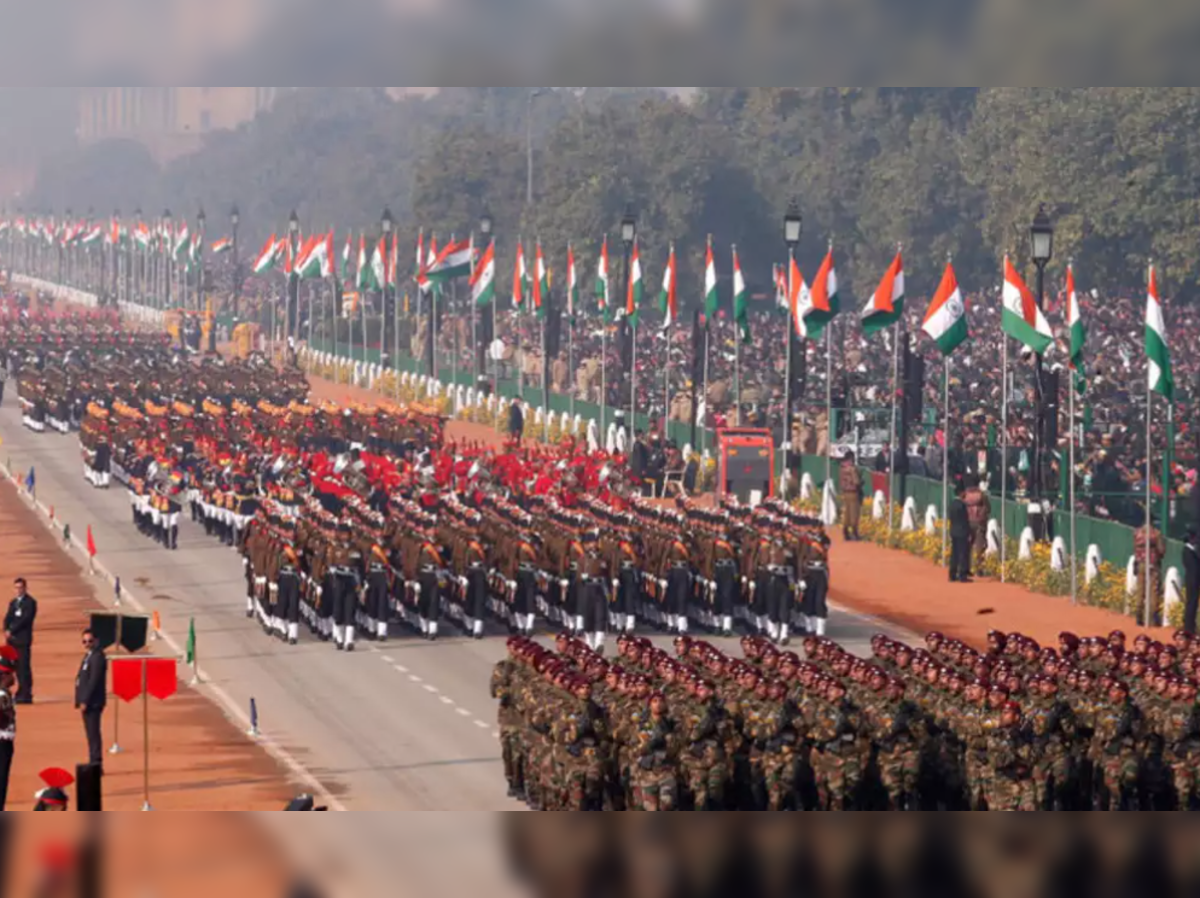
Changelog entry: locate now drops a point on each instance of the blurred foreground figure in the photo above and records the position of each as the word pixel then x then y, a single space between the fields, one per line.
pixel 946 727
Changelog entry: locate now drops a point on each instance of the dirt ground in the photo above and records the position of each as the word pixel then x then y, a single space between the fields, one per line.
pixel 198 759
pixel 917 594
pixel 895 586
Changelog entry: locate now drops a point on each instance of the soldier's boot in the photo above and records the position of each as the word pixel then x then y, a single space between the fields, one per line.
pixel 727 625
pixel 339 634
pixel 431 631
pixel 249 606
pixel 783 634
pixel 682 623
pixel 293 633
pixel 477 628
pixel 349 638
pixel 506 758
pixel 381 630
pixel 820 625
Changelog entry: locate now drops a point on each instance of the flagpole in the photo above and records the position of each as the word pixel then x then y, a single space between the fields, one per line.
pixel 1003 452
pixel 737 355
pixel 312 313
pixel 453 330
pixel 704 389
pixel 545 380
pixel 603 376
pixel 895 403
pixel 396 339
pixel 829 405
pixel 787 374
pixel 333 321
pixel 573 382
pixel 1071 479
pixel 633 382
pixel 945 456
pixel 474 316
pixel 1149 515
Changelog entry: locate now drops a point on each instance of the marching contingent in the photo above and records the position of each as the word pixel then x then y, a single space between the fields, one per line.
pixel 354 520
pixel 1092 724
pixel 359 521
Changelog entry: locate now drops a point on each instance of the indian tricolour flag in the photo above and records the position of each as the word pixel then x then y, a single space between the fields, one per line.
pixel 520 277
pixel 603 286
pixel 1157 356
pixel 799 299
pixel 1078 334
pixel 222 246
pixel 316 259
pixel 379 264
pixel 741 305
pixel 711 298
pixel 946 320
pixel 825 303
pixel 268 258
pixel 141 235
pixel 1020 316
pixel 633 298
pixel 347 254
pixel 667 299
pixel 572 283
pixel 93 236
pixel 182 241
pixel 541 282
pixel 887 305
pixel 431 254
pixel 779 277
pixel 454 261
pixel 363 281
pixel 483 282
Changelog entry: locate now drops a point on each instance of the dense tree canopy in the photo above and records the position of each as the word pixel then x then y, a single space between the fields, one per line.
pixel 943 171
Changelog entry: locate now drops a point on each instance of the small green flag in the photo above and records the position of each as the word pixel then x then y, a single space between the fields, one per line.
pixel 191 643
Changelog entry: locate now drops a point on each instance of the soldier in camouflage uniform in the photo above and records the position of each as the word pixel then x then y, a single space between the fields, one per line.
pixel 506 684
pixel 1118 728
pixel 1010 786
pixel 655 787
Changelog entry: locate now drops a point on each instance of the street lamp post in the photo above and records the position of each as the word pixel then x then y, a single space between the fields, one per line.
pixel 533 95
pixel 486 226
pixel 201 299
pixel 115 253
pixel 138 260
pixel 481 352
pixel 793 227
pixel 628 235
pixel 1041 238
pixel 289 277
pixel 170 237
pixel 235 218
pixel 389 328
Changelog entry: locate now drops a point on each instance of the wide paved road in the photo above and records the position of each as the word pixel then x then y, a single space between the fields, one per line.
pixel 406 726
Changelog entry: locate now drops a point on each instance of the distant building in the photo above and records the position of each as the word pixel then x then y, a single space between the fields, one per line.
pixel 168 121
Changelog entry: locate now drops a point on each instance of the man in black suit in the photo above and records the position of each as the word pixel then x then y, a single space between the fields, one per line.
pixel 1191 580
pixel 960 539
pixel 91 694
pixel 516 421
pixel 18 630
pixel 639 461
